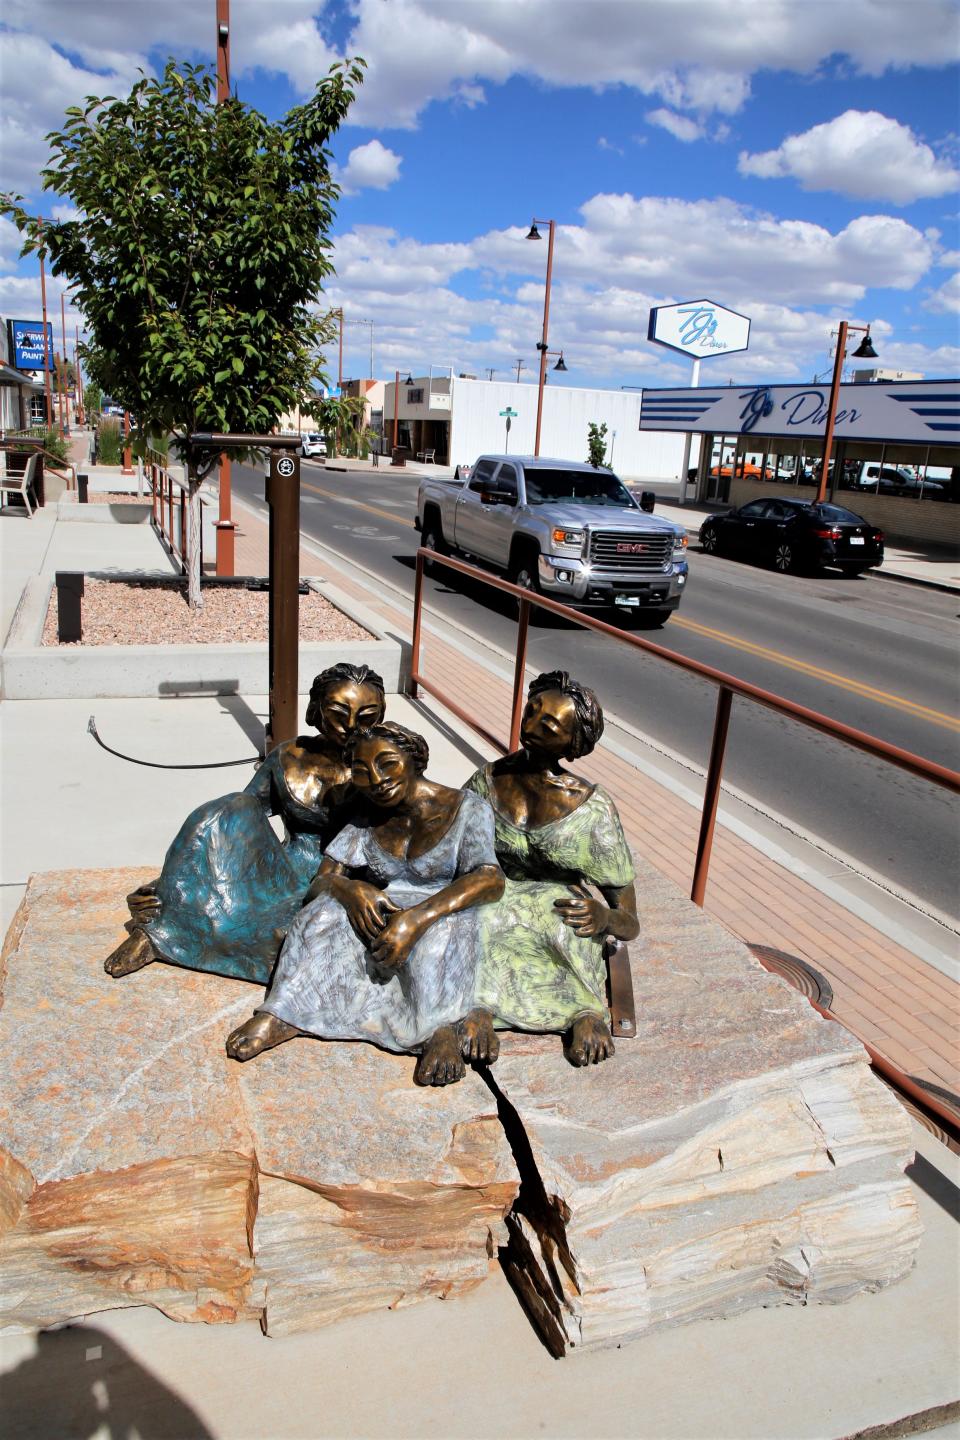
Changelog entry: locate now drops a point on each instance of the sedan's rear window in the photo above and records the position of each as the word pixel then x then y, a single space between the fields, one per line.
pixel 840 516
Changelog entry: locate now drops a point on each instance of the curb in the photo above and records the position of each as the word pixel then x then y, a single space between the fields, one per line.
pixel 944 587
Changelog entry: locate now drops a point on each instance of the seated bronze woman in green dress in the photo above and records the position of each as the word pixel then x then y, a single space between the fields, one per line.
pixel 541 964
pixel 229 888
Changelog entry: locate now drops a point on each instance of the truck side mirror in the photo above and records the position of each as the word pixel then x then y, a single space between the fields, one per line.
pixel 647 501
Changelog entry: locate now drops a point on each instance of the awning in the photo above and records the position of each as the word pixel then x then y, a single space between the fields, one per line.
pixel 11 376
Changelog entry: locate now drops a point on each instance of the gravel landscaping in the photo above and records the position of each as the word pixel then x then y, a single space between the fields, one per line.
pixel 153 613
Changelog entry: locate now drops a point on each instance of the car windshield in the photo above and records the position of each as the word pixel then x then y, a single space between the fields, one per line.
pixel 576 487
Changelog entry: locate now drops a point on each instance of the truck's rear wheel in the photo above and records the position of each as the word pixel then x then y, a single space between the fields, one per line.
pixel 431 537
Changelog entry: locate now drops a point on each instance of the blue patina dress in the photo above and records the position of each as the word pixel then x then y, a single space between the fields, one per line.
pixel 229 887
pixel 327 982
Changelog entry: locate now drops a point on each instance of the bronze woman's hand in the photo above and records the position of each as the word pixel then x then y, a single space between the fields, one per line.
pixel 400 933
pixel 585 916
pixel 144 903
pixel 368 909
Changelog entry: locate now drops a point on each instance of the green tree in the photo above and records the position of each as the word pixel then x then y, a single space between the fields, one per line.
pixel 596 444
pixel 199 253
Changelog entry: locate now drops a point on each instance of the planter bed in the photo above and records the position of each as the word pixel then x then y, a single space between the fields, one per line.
pixel 142 640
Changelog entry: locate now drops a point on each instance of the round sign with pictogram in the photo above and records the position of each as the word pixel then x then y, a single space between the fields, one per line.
pixel 286 466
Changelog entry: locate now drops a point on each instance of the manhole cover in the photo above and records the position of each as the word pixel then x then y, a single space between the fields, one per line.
pixel 800 975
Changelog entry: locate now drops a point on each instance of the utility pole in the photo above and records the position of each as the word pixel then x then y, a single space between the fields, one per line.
pixel 490 373
pixel 46 345
pixel 81 414
pixel 521 365
pixel 63 335
pixel 226 546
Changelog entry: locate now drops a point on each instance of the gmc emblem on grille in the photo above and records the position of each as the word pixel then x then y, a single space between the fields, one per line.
pixel 631 547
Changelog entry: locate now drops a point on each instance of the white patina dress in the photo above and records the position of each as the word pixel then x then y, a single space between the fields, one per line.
pixel 328 984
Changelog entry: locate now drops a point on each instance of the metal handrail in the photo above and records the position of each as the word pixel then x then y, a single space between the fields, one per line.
pixel 162 485
pixel 728 686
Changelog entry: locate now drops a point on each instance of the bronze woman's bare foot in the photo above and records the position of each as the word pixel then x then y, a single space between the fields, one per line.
pixel 132 954
pixel 261 1032
pixel 589 1041
pixel 478 1039
pixel 441 1062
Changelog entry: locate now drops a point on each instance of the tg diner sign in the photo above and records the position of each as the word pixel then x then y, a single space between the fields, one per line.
pixel 699 328
pixel 923 411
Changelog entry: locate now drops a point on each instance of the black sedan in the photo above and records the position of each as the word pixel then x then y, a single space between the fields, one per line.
pixel 795 535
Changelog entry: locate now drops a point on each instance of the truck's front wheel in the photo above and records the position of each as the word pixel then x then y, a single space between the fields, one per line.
pixel 524 571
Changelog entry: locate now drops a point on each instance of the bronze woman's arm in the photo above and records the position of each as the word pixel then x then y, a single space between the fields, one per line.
pixel 367 907
pixel 403 929
pixel 592 918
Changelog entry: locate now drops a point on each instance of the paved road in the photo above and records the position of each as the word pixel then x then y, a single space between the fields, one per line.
pixel 875 654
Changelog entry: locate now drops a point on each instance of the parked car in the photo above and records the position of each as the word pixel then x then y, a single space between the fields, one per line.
pixel 313 446
pixel 794 535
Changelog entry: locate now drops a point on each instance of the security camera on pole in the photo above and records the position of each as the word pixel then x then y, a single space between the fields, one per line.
pixel 700 328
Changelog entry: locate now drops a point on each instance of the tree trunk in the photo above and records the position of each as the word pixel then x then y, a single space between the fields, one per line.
pixel 194 593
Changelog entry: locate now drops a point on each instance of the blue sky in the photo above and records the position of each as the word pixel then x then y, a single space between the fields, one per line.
pixel 795 160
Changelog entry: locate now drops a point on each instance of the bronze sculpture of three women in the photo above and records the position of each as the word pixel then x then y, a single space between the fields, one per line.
pixel 417 917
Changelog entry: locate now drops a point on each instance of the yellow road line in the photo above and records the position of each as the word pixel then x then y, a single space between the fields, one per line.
pixel 829 677
pixel 346 500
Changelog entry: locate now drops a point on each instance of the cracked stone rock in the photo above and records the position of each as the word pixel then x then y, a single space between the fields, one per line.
pixel 738 1152
pixel 140 1166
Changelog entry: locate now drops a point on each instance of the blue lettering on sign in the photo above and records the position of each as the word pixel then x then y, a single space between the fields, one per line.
pixel 759 405
pixel 701 324
pixel 803 407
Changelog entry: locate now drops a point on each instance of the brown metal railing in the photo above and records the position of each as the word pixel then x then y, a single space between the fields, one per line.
pixel 728 687
pixel 28 439
pixel 168 516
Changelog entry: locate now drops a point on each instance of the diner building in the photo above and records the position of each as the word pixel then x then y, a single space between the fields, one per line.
pixel 895 457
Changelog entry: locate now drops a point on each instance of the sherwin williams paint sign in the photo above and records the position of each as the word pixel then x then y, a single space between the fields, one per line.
pixel 699 328
pixel 26 344
pixel 923 411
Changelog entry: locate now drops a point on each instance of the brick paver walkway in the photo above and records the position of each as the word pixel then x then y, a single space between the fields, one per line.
pixel 887 996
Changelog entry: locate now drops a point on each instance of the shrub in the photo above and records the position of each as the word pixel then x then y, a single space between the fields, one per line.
pixel 109 447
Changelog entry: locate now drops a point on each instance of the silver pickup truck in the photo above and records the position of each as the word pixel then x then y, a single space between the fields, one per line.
pixel 561 528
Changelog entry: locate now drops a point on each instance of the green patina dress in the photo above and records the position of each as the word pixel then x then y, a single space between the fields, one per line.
pixel 535 972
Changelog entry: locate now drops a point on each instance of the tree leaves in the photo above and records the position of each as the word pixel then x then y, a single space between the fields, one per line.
pixel 201 247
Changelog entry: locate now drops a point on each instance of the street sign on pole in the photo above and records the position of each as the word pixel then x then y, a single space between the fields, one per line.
pixel 508 415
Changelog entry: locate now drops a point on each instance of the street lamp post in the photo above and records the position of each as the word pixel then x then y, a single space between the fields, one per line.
pixel 864 351
pixel 226 530
pixel 396 403
pixel 534 234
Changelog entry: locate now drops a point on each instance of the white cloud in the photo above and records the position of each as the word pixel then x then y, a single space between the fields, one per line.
pixel 945 300
pixel 862 154
pixel 604 144
pixel 624 256
pixel 681 127
pixel 369 167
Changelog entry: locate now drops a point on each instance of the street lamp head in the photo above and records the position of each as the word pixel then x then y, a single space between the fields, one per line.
pixel 865 350
pixel 560 365
pixel 534 233
pixel 409 380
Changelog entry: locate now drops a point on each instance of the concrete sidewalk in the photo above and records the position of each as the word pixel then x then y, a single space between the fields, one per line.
pixel 475 1367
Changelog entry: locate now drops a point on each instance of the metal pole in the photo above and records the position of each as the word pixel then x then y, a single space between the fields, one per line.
pixel 396 407
pixel 127 467
pixel 63 334
pixel 711 795
pixel 832 410
pixel 81 418
pixel 283 498
pixel 543 346
pixel 61 382
pixel 417 622
pixel 519 671
pixel 226 530
pixel 46 352
pixel 340 356
pixel 685 466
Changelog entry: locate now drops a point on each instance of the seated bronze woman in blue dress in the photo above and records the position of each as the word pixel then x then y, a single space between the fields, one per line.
pixel 229 888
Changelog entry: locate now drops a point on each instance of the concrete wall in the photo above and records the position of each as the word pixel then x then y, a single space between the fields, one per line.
pixel 567 412
pixel 898 516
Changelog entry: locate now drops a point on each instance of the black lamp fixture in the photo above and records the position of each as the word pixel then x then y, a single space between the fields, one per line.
pixel 409 380
pixel 560 365
pixel 534 233
pixel 865 350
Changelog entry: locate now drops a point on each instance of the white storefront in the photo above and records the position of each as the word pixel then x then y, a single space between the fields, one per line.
pixel 460 418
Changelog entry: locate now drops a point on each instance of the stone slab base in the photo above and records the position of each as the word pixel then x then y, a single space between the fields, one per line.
pixel 738 1152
